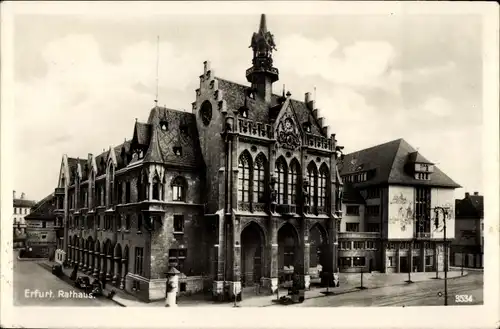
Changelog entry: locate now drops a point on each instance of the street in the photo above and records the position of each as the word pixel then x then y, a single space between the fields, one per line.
pixel 425 293
pixel 36 286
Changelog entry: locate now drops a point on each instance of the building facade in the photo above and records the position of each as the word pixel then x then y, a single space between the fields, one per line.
pixel 243 190
pixel 44 233
pixel 389 201
pixel 468 248
pixel 22 208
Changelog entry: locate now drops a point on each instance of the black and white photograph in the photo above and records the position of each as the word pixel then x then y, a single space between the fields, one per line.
pixel 264 157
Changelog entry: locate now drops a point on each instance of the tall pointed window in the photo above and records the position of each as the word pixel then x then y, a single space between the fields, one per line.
pixel 312 175
pixel 244 178
pixel 322 179
pixel 259 179
pixel 292 182
pixel 280 180
pixel 178 192
pixel 156 188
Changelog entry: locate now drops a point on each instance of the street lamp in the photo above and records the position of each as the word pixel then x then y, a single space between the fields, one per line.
pixel 445 211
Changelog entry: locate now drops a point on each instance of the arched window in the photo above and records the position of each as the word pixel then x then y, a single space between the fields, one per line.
pixel 178 193
pixel 156 188
pixel 292 182
pixel 322 181
pixel 259 179
pixel 280 180
pixel 312 175
pixel 244 178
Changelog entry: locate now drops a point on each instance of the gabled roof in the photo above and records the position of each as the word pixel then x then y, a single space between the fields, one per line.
pixel 470 207
pixel 235 95
pixel 73 168
pixel 181 132
pixel 44 209
pixel 388 162
pixel 142 134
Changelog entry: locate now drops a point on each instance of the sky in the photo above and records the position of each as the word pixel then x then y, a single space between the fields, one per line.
pixel 82 80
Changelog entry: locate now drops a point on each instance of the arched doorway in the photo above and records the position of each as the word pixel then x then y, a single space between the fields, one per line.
pixel 118 264
pixel 252 254
pixel 317 249
pixel 288 251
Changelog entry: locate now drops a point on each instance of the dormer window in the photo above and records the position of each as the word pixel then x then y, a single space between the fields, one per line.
pixel 164 125
pixel 184 129
pixel 244 113
pixel 307 127
pixel 178 151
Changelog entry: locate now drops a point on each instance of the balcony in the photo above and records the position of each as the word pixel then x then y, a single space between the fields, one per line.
pixel 255 129
pixel 318 142
pixel 423 235
pixel 286 209
pixel 258 69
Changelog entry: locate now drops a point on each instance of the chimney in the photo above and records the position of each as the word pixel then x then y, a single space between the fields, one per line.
pixel 13 194
pixel 22 196
pixel 310 103
pixel 476 193
pixel 467 194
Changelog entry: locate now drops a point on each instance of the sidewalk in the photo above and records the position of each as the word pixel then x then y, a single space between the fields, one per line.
pixel 349 282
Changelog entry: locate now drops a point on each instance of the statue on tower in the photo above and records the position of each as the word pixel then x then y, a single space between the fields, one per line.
pixel 263 41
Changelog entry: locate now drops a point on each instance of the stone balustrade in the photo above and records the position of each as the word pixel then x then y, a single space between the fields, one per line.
pixel 255 129
pixel 318 142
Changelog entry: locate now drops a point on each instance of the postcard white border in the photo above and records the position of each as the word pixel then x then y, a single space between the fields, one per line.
pixel 485 316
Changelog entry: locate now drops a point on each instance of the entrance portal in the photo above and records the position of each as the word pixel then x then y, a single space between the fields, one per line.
pixel 288 251
pixel 252 254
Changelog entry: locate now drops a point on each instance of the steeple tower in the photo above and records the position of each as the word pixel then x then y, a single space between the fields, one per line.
pixel 262 74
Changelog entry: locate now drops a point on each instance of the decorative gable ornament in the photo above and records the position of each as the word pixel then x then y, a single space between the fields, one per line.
pixel 287 133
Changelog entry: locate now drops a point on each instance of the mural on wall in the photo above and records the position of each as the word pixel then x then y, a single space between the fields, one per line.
pixel 404 215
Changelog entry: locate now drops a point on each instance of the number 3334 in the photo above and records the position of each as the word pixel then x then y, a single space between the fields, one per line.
pixel 463 299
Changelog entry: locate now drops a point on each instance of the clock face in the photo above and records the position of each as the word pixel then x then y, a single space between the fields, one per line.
pixel 206 113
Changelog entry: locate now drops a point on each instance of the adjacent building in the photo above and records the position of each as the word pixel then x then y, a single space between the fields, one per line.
pixel 44 232
pixel 468 248
pixel 242 190
pixel 22 208
pixel 390 196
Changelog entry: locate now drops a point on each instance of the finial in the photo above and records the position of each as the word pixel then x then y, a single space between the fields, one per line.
pixel 283 90
pixel 288 94
pixel 135 119
pixel 263 25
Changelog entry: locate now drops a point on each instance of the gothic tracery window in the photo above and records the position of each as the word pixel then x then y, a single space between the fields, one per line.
pixel 178 193
pixel 259 179
pixel 312 175
pixel 322 181
pixel 292 182
pixel 244 178
pixel 280 180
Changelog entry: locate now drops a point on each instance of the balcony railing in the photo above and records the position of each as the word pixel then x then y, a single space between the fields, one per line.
pixel 318 142
pixel 252 206
pixel 257 69
pixel 255 129
pixel 286 209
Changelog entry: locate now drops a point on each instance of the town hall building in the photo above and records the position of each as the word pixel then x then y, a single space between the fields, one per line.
pixel 243 190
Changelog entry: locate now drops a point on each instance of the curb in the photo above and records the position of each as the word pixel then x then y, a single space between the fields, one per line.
pixel 30 259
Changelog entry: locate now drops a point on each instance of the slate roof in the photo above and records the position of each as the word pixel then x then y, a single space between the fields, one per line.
pixel 181 132
pixel 44 209
pixel 352 195
pixel 72 164
pixel 470 207
pixel 388 162
pixel 235 95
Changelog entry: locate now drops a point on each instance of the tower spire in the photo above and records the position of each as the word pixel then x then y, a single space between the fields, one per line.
pixel 262 74
pixel 263 25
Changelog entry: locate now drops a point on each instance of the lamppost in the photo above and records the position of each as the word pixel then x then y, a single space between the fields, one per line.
pixel 445 211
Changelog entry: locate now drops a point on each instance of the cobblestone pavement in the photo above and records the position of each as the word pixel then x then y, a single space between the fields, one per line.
pixel 35 286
